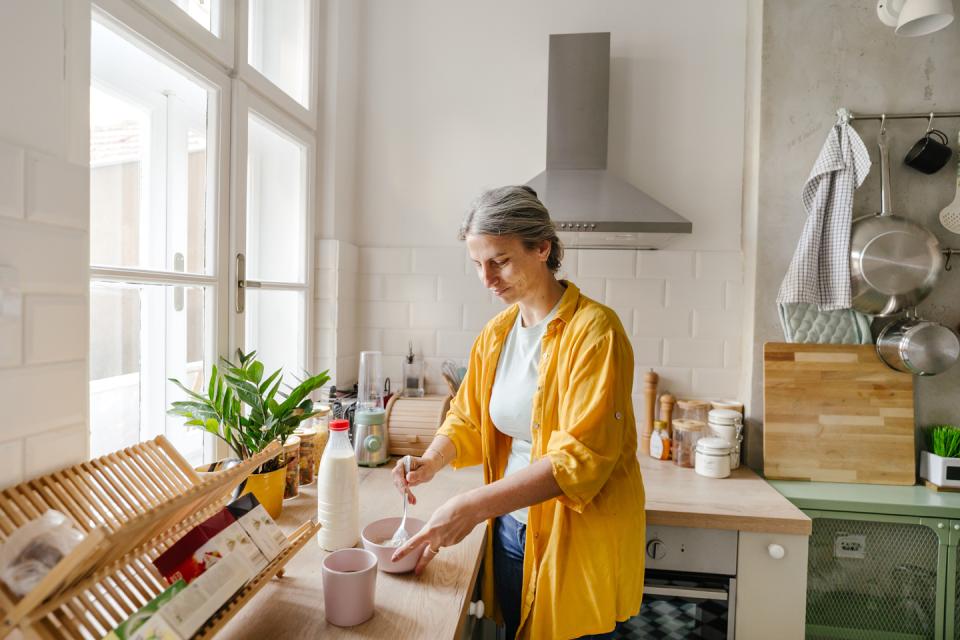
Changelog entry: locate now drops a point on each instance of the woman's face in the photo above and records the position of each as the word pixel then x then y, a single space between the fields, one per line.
pixel 508 268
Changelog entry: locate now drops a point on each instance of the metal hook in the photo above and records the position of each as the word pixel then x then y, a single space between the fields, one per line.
pixel 949 253
pixel 843 115
pixel 883 124
pixel 929 124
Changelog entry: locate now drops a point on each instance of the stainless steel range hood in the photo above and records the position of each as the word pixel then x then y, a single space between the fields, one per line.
pixel 591 207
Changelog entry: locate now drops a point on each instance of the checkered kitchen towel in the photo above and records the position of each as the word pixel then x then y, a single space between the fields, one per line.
pixel 820 271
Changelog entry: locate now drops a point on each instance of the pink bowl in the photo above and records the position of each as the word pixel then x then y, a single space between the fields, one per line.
pixel 379 532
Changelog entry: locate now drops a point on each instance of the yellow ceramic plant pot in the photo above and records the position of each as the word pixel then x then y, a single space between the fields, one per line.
pixel 268 488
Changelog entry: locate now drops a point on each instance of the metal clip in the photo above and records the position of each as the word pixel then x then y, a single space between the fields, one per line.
pixel 929 124
pixel 883 124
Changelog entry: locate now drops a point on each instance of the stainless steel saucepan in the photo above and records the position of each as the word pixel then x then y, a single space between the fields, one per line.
pixel 917 346
pixel 894 263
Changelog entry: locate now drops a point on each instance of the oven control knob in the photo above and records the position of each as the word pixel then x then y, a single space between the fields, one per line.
pixel 656 550
pixel 776 551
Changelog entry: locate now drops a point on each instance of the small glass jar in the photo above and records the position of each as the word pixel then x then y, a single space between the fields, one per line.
pixel 291 456
pixel 692 410
pixel 685 436
pixel 713 458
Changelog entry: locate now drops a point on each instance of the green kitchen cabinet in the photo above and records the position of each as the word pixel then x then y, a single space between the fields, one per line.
pixel 883 561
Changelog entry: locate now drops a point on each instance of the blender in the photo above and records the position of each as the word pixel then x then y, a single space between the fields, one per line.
pixel 369 419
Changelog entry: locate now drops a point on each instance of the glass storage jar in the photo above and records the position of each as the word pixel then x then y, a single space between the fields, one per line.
pixel 685 436
pixel 692 410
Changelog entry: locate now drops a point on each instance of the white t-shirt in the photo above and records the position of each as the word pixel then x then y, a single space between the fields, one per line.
pixel 511 401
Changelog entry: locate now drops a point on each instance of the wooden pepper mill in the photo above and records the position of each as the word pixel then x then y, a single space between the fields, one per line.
pixel 666 411
pixel 650 381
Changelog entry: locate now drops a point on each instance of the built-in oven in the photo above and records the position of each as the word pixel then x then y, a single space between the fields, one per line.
pixel 690 586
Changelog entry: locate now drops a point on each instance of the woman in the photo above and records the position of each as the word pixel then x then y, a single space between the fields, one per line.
pixel 546 408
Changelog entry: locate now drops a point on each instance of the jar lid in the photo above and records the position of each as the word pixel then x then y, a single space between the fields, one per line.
pixel 693 404
pixel 369 416
pixel 734 405
pixel 688 425
pixel 305 432
pixel 717 446
pixel 339 425
pixel 292 443
pixel 321 409
pixel 725 416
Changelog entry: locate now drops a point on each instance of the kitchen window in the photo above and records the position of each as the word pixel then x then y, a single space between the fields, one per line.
pixel 278 44
pixel 153 238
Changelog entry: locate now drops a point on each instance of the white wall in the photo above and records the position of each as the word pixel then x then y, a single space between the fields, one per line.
pixel 44 217
pixel 451 99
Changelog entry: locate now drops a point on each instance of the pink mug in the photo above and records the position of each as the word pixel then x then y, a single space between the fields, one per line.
pixel 349 585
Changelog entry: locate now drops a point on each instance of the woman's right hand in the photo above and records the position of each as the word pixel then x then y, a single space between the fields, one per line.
pixel 421 470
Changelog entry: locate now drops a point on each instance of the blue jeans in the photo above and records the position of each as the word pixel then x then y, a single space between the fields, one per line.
pixel 509 538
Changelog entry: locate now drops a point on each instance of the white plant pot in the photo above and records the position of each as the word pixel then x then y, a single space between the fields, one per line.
pixel 943 472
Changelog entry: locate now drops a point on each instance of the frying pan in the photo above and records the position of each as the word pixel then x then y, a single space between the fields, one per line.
pixel 894 263
pixel 917 346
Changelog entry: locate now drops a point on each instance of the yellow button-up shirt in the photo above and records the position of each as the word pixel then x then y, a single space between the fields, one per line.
pixel 583 563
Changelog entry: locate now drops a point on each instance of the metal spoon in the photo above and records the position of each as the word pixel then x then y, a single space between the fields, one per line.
pixel 401 535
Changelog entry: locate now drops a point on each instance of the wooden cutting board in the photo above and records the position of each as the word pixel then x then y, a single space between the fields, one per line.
pixel 836 413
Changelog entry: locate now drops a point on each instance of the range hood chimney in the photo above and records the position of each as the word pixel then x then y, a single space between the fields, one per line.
pixel 592 208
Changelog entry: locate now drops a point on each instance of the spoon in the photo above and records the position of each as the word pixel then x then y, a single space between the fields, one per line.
pixel 401 536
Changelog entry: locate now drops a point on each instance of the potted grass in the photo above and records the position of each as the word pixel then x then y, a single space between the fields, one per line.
pixel 940 463
pixel 248 412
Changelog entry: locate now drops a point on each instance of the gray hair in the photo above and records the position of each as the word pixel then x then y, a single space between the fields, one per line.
pixel 514 210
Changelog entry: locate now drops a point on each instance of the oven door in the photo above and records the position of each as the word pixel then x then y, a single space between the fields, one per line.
pixel 684 606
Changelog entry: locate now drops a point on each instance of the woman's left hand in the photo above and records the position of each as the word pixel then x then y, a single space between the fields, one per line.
pixel 446 527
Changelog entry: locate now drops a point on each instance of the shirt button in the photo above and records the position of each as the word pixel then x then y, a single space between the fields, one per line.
pixel 536 425
pixel 618 415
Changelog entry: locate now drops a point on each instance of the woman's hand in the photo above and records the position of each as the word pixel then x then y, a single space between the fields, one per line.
pixel 447 526
pixel 421 470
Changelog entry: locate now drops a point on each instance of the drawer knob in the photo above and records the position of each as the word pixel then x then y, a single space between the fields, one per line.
pixel 476 609
pixel 940 525
pixel 956 527
pixel 776 551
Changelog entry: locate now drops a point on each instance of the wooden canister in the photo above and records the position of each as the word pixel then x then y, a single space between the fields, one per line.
pixel 412 422
pixel 308 454
pixel 291 456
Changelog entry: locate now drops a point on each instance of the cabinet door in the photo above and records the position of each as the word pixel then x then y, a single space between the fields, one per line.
pixel 952 626
pixel 771 586
pixel 876 576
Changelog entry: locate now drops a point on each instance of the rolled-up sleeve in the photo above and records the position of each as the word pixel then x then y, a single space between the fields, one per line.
pixel 462 422
pixel 588 442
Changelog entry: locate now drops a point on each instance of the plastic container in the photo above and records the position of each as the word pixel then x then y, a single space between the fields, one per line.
pixel 338 493
pixel 685 436
pixel 713 458
pixel 660 441
pixel 370 382
pixel 728 425
pixel 692 410
pixel 291 454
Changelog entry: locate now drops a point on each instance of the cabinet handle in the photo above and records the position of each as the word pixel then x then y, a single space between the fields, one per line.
pixel 956 527
pixel 776 551
pixel 476 609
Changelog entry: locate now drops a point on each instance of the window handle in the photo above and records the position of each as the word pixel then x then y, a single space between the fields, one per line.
pixel 178 266
pixel 242 283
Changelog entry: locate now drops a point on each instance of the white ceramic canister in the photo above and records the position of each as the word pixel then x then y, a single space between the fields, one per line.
pixel 728 425
pixel 713 458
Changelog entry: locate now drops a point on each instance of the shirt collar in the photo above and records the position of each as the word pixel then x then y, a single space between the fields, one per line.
pixel 565 310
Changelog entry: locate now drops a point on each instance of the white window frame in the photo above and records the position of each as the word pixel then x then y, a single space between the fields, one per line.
pixel 220 47
pixel 307 115
pixel 143 32
pixel 245 102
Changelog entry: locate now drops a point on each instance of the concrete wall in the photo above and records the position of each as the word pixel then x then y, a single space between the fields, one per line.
pixel 818 56
pixel 451 99
pixel 44 243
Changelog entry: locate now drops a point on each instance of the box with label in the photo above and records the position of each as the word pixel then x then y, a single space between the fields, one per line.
pixel 192 607
pixel 127 630
pixel 258 524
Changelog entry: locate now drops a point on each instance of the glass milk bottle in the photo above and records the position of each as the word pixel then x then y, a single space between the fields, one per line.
pixel 338 494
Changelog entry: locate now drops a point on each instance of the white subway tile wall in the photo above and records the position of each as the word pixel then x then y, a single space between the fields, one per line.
pixel 681 310
pixel 44 309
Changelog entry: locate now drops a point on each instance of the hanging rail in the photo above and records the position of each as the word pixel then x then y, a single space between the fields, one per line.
pixel 900 116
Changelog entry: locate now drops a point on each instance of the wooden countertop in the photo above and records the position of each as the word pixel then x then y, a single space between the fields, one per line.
pixel 677 496
pixel 431 606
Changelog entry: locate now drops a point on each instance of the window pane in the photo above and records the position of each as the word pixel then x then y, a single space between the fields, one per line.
pixel 274 327
pixel 279 44
pixel 140 335
pixel 276 205
pixel 150 123
pixel 205 12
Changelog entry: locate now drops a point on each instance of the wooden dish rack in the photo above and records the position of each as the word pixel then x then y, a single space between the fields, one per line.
pixel 132 504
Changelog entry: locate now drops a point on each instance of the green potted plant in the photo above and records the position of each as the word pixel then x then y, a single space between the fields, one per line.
pixel 940 463
pixel 248 412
